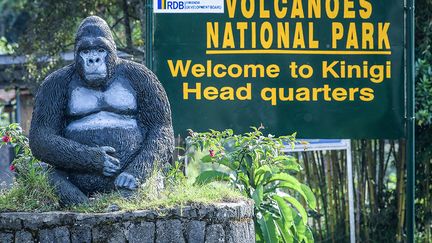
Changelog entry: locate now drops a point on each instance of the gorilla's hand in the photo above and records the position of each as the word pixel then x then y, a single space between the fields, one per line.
pixel 111 165
pixel 126 180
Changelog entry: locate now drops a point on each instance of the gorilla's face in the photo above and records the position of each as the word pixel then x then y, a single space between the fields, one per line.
pixel 95 52
pixel 94 65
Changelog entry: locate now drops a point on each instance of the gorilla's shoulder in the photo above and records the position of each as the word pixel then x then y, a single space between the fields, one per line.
pixel 131 68
pixel 61 75
pixel 131 64
pixel 55 84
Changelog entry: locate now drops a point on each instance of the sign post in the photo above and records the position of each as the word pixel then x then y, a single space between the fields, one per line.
pixel 410 153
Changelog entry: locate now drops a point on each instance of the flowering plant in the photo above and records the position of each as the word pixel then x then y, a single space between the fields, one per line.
pixel 31 181
pixel 13 135
pixel 256 165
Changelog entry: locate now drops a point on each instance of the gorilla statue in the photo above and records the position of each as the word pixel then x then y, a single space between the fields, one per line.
pixel 101 123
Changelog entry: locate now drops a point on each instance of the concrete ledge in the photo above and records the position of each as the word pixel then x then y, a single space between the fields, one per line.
pixel 225 222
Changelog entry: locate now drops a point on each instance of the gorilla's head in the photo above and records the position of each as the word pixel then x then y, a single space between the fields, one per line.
pixel 95 51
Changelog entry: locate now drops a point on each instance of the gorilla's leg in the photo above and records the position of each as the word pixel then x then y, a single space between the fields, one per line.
pixel 68 193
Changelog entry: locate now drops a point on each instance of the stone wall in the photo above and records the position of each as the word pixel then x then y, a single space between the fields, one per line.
pixel 228 222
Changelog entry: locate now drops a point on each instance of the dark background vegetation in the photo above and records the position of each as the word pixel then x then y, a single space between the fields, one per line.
pixel 45 28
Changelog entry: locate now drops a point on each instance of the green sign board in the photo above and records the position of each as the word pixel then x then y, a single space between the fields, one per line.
pixel 321 68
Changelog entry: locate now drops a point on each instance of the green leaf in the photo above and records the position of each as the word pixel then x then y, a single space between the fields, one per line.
pixel 310 197
pixel 268 228
pixel 258 195
pixel 244 179
pixel 260 173
pixel 210 176
pixel 226 162
pixel 297 205
pixel 207 159
pixel 286 234
pixel 283 177
pixel 248 160
pixel 288 163
pixel 223 161
pixel 300 229
pixel 258 233
pixel 286 220
pixel 309 235
pixel 303 190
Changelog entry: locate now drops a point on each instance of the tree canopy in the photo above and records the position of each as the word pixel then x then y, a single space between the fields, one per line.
pixel 46 28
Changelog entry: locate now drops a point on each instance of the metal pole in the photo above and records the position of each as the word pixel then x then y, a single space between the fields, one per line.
pixel 350 191
pixel 18 106
pixel 149 34
pixel 410 156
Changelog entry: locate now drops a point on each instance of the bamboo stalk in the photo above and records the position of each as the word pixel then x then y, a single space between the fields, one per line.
pixel 364 191
pixel 331 209
pixel 323 187
pixel 335 180
pixel 381 173
pixel 370 177
pixel 316 180
pixel 400 189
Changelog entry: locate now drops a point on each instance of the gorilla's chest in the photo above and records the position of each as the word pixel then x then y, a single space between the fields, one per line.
pixel 105 117
pixel 118 97
pixel 114 106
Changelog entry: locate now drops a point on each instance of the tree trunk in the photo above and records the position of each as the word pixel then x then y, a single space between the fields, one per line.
pixel 128 31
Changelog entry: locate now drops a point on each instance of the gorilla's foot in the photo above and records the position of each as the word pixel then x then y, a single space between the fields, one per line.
pixel 67 192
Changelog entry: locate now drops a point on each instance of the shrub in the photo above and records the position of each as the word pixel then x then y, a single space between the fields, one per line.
pixel 255 164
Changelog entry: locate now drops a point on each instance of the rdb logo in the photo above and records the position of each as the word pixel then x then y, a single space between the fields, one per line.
pixel 175 5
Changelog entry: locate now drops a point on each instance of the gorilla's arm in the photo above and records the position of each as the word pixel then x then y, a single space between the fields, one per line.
pixel 154 115
pixel 46 139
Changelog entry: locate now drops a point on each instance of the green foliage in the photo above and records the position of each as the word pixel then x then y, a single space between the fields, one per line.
pixel 424 92
pixel 256 165
pixel 167 190
pixel 152 196
pixel 42 30
pixel 31 190
pixel 424 119
pixel 423 63
pixel 6 47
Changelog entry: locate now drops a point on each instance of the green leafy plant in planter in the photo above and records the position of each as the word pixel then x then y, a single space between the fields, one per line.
pixel 31 189
pixel 256 165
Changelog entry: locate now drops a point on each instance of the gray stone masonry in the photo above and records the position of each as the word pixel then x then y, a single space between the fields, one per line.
pixel 223 222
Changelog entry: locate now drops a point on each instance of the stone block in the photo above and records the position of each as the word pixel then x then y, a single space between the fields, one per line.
pixel 195 231
pixel 143 232
pixel 10 221
pixel 81 234
pixel 240 232
pixel 23 237
pixel 215 234
pixel 108 233
pixel 6 238
pixel 55 235
pixel 169 231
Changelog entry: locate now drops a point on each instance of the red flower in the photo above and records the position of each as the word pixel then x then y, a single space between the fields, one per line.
pixel 212 153
pixel 12 168
pixel 6 139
